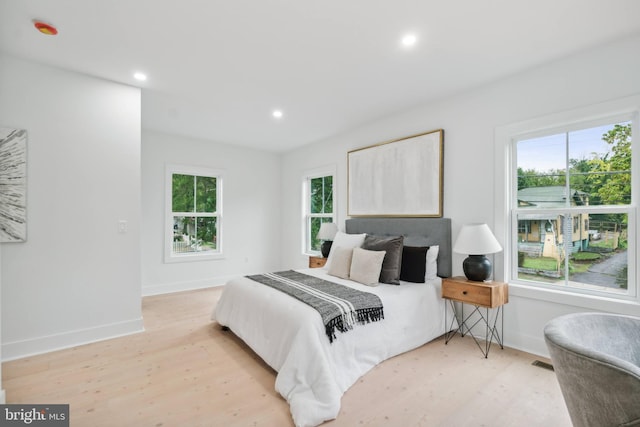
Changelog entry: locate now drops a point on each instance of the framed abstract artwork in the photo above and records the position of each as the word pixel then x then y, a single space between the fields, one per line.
pixel 13 185
pixel 398 178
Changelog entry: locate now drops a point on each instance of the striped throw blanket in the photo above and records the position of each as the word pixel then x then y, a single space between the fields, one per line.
pixel 340 307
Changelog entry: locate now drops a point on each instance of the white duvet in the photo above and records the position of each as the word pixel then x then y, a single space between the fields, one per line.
pixel 313 374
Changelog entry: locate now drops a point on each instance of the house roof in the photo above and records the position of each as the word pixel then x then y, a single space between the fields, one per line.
pixel 551 196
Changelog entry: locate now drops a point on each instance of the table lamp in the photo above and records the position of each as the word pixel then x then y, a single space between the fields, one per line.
pixel 327 232
pixel 476 240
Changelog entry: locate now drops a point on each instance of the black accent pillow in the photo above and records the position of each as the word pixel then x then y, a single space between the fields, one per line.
pixel 390 272
pixel 414 262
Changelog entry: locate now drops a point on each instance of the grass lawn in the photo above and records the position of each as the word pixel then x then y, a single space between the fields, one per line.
pixel 550 264
pixel 540 263
pixel 586 256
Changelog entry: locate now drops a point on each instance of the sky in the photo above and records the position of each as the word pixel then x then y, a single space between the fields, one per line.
pixel 548 152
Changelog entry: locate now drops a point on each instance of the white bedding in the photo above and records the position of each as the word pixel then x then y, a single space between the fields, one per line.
pixel 313 374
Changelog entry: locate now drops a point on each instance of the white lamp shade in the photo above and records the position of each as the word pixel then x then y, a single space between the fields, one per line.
pixel 327 231
pixel 476 239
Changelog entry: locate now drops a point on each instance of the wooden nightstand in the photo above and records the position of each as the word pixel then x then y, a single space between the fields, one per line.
pixel 317 261
pixel 488 295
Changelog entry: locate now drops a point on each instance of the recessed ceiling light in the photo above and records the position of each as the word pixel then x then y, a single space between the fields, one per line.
pixel 140 76
pixel 277 114
pixel 409 40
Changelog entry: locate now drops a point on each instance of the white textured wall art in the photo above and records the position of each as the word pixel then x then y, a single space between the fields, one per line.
pixel 13 185
pixel 400 178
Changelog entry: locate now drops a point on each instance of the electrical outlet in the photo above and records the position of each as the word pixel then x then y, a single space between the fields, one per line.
pixel 122 226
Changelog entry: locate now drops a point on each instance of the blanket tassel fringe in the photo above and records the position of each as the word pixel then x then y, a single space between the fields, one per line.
pixel 345 322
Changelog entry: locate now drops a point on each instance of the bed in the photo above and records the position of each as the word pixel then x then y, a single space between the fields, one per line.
pixel 289 335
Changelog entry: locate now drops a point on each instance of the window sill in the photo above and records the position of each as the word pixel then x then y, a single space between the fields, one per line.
pixel 590 302
pixel 192 258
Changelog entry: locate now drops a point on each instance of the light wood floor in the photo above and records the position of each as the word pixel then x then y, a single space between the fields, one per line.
pixel 185 371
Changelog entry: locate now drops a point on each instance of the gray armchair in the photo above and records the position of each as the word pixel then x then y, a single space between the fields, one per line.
pixel 596 357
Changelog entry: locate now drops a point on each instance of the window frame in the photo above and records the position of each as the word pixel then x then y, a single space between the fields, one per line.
pixel 169 255
pixel 306 206
pixel 506 224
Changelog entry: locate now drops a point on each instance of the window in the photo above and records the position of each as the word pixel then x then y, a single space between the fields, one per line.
pixel 319 208
pixel 571 208
pixel 194 214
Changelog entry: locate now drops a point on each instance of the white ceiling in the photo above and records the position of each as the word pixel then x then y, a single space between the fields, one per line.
pixel 217 69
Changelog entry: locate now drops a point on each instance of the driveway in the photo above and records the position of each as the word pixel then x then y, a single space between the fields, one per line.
pixel 604 273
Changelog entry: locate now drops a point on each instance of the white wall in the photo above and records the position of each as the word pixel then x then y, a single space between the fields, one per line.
pixel 469 121
pixel 75 279
pixel 251 212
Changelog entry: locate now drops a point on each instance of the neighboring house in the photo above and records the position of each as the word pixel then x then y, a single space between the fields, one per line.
pixel 542 234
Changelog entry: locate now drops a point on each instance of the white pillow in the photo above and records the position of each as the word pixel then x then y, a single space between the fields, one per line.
pixel 344 240
pixel 431 269
pixel 341 265
pixel 366 266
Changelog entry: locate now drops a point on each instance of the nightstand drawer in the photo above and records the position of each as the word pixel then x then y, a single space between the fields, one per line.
pixel 317 262
pixel 486 294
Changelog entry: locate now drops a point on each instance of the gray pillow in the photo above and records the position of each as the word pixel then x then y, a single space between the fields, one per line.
pixel 392 263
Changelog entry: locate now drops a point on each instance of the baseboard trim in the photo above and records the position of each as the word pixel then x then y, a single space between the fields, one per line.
pixel 528 344
pixel 31 347
pixel 168 288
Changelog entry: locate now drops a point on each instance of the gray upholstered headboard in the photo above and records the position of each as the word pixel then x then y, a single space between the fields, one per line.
pixel 416 232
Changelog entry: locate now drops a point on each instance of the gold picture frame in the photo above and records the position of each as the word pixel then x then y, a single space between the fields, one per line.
pixel 398 178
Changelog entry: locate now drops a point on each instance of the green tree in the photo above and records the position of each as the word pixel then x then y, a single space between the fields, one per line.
pixel 616 188
pixel 321 203
pixel 605 177
pixel 579 170
pixel 532 178
pixel 205 194
pixel 182 193
pixel 610 180
pixel 322 194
